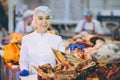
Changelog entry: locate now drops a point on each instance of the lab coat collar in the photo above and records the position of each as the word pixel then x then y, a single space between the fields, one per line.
pixel 41 34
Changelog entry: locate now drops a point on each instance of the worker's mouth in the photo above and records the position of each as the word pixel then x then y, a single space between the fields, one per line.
pixel 44 26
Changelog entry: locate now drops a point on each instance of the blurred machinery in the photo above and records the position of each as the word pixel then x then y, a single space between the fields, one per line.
pixel 111 24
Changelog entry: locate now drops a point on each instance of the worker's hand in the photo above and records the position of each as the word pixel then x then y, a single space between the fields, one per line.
pixel 24 73
pixel 81 47
pixel 73 46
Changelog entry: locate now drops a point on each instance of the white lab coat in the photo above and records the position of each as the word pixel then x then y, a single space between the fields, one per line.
pixel 20 28
pixel 36 50
pixel 93 25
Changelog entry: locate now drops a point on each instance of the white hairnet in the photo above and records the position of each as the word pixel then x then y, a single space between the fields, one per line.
pixel 38 11
pixel 87 12
pixel 27 13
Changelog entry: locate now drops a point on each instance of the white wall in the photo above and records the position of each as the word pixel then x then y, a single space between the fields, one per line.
pixel 73 10
pixel 98 5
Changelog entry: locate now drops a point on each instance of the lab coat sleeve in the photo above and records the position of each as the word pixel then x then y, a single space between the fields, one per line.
pixel 61 46
pixel 24 58
pixel 79 27
pixel 17 28
pixel 98 28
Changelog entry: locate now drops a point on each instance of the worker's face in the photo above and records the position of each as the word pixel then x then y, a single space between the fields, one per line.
pixel 43 22
pixel 88 18
pixel 29 20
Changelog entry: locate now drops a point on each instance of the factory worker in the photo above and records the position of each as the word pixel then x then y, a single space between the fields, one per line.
pixel 24 26
pixel 36 46
pixel 88 24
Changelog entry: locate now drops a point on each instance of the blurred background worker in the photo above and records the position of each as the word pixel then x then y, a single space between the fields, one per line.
pixel 89 24
pixel 3 35
pixel 24 26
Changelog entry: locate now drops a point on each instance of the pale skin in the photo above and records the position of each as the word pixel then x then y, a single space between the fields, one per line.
pixel 42 23
pixel 88 18
pixel 28 20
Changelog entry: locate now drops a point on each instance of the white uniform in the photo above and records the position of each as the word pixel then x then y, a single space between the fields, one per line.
pixel 36 49
pixel 21 29
pixel 94 25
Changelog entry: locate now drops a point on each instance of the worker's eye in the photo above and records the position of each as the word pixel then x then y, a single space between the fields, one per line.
pixel 40 18
pixel 47 18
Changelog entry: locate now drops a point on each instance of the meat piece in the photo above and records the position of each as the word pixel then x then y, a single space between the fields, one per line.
pixel 44 71
pixel 79 53
pixel 95 38
pixel 60 57
pixel 65 75
pixel 114 73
